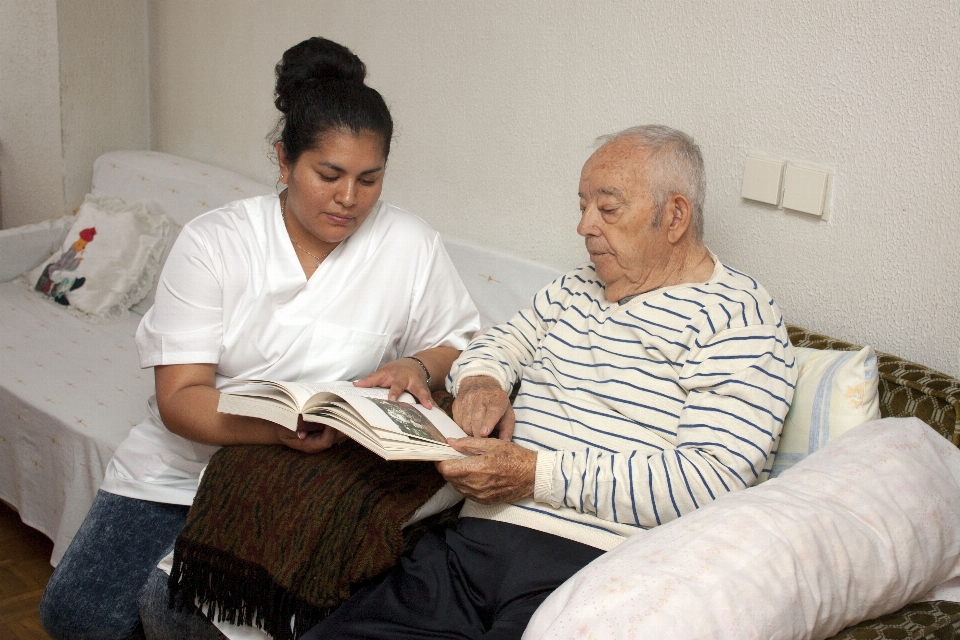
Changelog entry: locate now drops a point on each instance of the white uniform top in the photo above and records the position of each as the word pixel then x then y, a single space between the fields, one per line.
pixel 232 292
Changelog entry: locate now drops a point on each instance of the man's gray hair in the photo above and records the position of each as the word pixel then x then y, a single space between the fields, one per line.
pixel 676 167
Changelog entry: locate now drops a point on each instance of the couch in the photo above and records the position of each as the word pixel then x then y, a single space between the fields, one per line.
pixel 71 390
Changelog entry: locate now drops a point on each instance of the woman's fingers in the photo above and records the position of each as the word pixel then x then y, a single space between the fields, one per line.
pixel 399 376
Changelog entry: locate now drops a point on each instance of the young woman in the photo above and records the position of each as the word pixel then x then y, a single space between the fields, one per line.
pixel 322 282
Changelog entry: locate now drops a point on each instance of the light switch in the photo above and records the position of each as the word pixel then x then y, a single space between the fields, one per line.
pixel 761 179
pixel 805 189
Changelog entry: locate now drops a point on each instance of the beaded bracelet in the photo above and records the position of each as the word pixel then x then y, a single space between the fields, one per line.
pixel 422 366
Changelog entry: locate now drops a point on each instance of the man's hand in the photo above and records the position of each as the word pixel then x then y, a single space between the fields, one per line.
pixel 481 406
pixel 495 472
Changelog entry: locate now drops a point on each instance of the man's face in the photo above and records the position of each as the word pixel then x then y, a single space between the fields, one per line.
pixel 617 219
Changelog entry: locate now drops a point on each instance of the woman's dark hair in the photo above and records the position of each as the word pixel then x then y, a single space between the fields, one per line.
pixel 320 89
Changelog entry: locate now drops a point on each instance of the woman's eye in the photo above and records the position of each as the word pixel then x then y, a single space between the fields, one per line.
pixel 327 178
pixel 368 182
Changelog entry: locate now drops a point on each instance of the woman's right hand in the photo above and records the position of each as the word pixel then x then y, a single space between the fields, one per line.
pixel 309 437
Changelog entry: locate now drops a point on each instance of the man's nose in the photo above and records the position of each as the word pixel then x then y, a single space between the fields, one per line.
pixel 588 222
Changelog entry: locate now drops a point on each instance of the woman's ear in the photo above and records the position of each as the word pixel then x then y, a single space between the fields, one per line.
pixel 284 164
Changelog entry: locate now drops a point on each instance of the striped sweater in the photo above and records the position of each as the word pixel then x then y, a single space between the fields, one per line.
pixel 641 411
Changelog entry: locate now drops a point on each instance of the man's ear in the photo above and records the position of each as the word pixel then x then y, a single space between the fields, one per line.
pixel 676 213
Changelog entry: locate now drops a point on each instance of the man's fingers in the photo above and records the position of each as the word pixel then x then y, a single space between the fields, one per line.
pixel 472 446
pixel 505 426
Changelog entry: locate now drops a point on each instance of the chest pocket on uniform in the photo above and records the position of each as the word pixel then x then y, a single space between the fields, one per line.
pixel 342 353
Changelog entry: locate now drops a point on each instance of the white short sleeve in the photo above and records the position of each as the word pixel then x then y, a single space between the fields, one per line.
pixel 185 325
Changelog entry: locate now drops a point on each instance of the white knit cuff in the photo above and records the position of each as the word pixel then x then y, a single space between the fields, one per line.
pixel 543 484
pixel 479 369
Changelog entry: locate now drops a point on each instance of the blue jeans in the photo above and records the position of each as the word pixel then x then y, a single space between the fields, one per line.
pixel 93 592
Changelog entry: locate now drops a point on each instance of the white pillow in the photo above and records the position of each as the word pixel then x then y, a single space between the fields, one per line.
pixel 108 261
pixel 859 529
pixel 836 391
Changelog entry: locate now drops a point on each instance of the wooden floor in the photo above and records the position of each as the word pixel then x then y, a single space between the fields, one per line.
pixel 24 571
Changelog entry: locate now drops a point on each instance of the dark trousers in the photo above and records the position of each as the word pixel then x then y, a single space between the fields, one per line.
pixel 479 579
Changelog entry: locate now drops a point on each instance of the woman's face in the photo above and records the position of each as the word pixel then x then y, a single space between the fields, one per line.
pixel 332 188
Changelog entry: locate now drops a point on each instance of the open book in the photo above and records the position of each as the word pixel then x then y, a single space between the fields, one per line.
pixel 392 429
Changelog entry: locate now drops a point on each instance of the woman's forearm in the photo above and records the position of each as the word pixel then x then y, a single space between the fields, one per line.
pixel 438 361
pixel 191 412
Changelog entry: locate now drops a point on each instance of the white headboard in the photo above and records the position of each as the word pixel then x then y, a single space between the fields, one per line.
pixel 500 283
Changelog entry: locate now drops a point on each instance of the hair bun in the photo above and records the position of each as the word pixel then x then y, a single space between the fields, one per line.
pixel 314 61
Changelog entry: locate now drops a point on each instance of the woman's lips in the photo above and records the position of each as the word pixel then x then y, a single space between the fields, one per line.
pixel 338 219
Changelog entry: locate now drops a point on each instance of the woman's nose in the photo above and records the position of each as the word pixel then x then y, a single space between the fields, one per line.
pixel 347 193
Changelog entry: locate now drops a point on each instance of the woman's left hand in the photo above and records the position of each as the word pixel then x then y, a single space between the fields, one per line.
pixel 400 375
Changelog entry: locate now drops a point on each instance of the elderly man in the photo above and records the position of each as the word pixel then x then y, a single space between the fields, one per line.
pixel 651 381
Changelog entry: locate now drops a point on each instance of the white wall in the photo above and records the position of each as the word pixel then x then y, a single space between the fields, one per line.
pixel 497 103
pixel 211 77
pixel 31 156
pixel 104 88
pixel 73 84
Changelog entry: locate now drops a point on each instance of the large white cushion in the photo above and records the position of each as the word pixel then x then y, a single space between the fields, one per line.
pixel 864 526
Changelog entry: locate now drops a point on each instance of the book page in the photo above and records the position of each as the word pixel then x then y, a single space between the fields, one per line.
pixel 302 393
pixel 431 425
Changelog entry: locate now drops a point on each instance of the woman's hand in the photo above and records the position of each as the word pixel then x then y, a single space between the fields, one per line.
pixel 399 376
pixel 309 436
pixel 406 374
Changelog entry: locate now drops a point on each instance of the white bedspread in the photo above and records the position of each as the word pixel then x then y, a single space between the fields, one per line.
pixel 51 471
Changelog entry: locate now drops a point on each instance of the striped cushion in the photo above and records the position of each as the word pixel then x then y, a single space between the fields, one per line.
pixel 836 391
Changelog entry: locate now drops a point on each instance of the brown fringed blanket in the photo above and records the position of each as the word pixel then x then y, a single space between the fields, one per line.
pixel 275 533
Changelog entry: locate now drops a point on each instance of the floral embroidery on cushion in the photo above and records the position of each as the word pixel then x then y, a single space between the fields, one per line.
pixel 854 394
pixel 69 260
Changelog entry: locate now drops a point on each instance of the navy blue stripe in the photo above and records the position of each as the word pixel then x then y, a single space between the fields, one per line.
pixel 594 393
pixel 685 481
pixel 633 497
pixel 740 382
pixel 733 452
pixel 538 427
pixel 719 477
pixel 756 407
pixel 704 480
pixel 595 347
pixel 726 431
pixel 583 478
pixel 732 415
pixel 611 434
pixel 636 388
pixel 596 485
pixel 665 310
pixel 613 490
pixel 733 339
pixel 653 500
pixel 666 473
